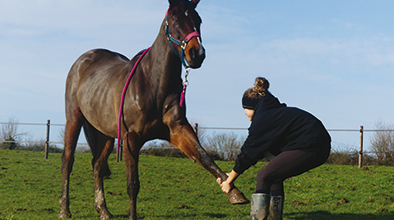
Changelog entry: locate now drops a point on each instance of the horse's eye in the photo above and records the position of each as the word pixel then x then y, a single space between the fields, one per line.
pixel 187 13
pixel 175 20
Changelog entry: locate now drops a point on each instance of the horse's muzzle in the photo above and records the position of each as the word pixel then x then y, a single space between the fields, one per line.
pixel 196 57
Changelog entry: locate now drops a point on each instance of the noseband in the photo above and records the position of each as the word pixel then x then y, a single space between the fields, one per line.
pixel 182 44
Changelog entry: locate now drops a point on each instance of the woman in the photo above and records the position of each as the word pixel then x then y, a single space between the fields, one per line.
pixel 292 139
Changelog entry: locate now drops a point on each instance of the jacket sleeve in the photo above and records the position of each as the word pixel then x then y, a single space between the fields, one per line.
pixel 259 140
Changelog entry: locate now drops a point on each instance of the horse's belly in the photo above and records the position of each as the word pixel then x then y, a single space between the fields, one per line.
pixel 105 123
pixel 98 109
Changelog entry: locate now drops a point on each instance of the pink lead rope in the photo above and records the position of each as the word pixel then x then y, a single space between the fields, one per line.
pixel 122 99
pixel 185 84
pixel 182 96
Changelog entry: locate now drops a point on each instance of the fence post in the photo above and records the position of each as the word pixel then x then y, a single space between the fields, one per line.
pixel 360 154
pixel 47 139
pixel 196 128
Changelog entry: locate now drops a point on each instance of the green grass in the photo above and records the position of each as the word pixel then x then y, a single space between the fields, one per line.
pixel 173 188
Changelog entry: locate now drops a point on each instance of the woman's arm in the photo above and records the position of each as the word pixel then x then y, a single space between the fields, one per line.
pixel 229 183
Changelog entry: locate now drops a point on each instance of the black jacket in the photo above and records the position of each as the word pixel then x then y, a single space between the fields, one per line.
pixel 276 128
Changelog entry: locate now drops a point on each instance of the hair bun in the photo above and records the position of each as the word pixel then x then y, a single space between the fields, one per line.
pixel 261 85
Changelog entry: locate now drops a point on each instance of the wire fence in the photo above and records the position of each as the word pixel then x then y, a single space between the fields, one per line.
pixel 197 129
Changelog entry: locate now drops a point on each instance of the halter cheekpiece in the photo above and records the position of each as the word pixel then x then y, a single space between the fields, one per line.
pixel 182 44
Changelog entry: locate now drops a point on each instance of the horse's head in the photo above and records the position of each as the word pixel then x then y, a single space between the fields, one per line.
pixel 183 31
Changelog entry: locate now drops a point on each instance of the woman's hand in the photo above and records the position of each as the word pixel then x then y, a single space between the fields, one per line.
pixel 229 183
pixel 225 185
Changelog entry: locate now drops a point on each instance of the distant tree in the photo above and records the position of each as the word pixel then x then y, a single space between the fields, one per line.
pixel 342 154
pixel 383 141
pixel 10 134
pixel 166 149
pixel 201 134
pixel 38 145
pixel 227 145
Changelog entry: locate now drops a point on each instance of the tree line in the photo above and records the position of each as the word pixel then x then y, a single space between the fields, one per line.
pixel 221 146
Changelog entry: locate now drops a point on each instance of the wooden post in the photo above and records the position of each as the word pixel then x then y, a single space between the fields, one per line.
pixel 196 128
pixel 47 139
pixel 360 154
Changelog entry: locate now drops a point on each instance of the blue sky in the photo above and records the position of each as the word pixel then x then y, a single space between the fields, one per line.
pixel 334 59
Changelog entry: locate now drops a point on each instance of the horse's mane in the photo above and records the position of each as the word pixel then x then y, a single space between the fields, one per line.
pixel 121 56
pixel 126 58
pixel 139 54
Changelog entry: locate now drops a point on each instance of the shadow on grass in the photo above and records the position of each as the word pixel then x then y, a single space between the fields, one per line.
pixel 321 215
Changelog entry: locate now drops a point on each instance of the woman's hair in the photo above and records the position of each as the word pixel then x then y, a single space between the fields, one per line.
pixel 259 89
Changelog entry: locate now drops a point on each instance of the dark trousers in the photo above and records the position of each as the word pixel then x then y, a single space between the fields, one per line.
pixel 288 164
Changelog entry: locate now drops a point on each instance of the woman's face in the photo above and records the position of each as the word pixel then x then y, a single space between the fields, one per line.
pixel 249 113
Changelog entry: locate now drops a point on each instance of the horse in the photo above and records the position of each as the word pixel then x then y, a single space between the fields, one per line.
pixel 152 106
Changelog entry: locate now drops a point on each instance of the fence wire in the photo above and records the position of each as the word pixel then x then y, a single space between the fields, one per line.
pixel 196 127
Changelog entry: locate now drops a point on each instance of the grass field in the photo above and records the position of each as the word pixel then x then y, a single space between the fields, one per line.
pixel 173 188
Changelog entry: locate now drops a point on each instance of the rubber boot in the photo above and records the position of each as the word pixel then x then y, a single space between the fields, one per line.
pixel 276 207
pixel 259 207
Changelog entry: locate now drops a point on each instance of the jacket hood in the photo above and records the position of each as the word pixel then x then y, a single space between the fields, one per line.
pixel 269 102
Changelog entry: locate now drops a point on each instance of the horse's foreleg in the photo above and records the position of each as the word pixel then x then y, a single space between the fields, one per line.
pixel 131 155
pixel 185 138
pixel 100 170
pixel 71 133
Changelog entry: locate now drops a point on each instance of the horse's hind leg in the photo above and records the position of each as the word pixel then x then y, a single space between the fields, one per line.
pixel 101 146
pixel 71 133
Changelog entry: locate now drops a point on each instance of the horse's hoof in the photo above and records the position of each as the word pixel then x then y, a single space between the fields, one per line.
pixel 64 214
pixel 237 197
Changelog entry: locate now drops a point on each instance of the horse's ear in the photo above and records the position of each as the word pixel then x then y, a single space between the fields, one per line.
pixel 195 2
pixel 174 2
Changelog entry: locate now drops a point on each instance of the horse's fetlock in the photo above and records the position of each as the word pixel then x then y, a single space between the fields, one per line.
pixel 64 213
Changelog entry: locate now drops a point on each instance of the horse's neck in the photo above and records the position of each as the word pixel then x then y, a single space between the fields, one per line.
pixel 167 65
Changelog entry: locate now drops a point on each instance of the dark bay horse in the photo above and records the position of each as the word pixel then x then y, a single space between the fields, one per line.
pixel 151 106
